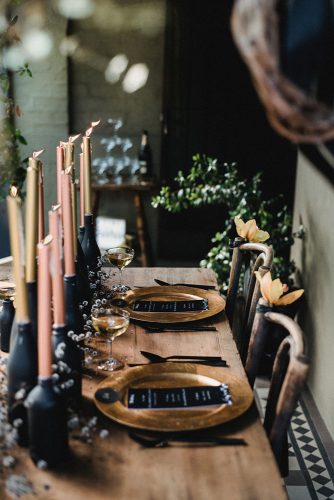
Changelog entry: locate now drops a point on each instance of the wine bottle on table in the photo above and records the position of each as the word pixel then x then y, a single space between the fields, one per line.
pixel 145 157
pixel 89 245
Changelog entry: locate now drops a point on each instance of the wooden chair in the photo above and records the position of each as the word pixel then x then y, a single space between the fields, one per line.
pixel 290 370
pixel 263 263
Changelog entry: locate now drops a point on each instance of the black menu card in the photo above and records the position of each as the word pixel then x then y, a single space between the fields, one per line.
pixel 171 306
pixel 178 397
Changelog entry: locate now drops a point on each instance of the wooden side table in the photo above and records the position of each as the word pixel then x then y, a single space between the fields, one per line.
pixel 137 190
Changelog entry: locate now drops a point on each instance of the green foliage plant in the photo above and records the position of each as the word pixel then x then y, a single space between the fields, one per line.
pixel 12 167
pixel 209 183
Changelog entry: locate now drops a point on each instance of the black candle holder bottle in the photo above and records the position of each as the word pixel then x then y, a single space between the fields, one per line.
pixel 47 425
pixel 90 247
pixel 22 376
pixel 71 355
pixel 81 234
pixel 73 317
pixel 84 294
pixel 32 307
pixel 6 322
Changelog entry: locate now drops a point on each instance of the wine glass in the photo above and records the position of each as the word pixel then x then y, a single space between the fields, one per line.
pixel 110 322
pixel 116 122
pixel 7 290
pixel 120 257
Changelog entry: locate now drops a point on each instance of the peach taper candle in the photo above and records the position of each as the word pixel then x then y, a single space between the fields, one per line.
pixel 44 309
pixel 82 192
pixel 57 267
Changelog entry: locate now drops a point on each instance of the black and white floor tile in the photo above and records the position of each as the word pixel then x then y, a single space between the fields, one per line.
pixel 311 475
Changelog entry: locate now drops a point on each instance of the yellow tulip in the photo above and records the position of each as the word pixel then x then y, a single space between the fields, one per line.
pixel 272 290
pixel 250 231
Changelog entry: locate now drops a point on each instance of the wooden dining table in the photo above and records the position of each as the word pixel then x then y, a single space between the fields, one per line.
pixel 116 467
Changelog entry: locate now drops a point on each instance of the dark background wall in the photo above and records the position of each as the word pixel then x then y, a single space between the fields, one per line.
pixel 211 107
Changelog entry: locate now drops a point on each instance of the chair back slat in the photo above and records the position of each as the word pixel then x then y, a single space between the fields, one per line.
pixel 250 312
pixel 290 370
pixel 233 284
pixel 263 264
pixel 258 339
pixel 280 368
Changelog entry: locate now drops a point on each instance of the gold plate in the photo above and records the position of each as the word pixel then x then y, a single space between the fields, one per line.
pixel 161 293
pixel 175 375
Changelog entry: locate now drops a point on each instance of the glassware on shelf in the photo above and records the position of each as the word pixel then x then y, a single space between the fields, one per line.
pixel 110 323
pixel 117 166
pixel 116 122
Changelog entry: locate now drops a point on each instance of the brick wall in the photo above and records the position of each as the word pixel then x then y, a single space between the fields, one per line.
pixel 44 102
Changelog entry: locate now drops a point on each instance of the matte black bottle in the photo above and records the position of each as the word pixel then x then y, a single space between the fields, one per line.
pixel 73 358
pixel 89 245
pixel 6 321
pixel 47 424
pixel 32 306
pixel 21 375
pixel 145 157
pixel 73 317
pixel 83 287
pixel 81 234
pixel 13 333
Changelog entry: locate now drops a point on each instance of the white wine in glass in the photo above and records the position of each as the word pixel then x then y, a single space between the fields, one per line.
pixel 120 257
pixel 110 322
pixel 7 290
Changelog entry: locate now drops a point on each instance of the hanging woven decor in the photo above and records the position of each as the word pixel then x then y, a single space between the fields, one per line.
pixel 296 116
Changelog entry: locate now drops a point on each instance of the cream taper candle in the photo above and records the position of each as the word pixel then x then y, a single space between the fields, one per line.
pixel 41 229
pixel 15 223
pixel 60 168
pixel 82 192
pixel 31 219
pixel 67 223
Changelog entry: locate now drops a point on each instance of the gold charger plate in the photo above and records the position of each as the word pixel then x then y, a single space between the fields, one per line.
pixel 175 375
pixel 161 293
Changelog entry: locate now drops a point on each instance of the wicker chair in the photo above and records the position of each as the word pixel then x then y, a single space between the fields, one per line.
pixel 290 370
pixel 252 293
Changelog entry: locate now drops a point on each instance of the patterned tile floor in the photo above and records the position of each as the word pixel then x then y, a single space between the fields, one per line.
pixel 311 470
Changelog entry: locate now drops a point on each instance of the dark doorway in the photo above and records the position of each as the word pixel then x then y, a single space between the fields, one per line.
pixel 211 107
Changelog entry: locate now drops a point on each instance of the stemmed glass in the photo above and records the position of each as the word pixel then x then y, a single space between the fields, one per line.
pixel 110 322
pixel 7 290
pixel 117 122
pixel 120 257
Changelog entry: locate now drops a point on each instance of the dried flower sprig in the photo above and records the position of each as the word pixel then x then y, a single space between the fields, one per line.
pixel 250 231
pixel 274 291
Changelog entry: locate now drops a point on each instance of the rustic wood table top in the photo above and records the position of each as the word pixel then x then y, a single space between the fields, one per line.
pixel 118 468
